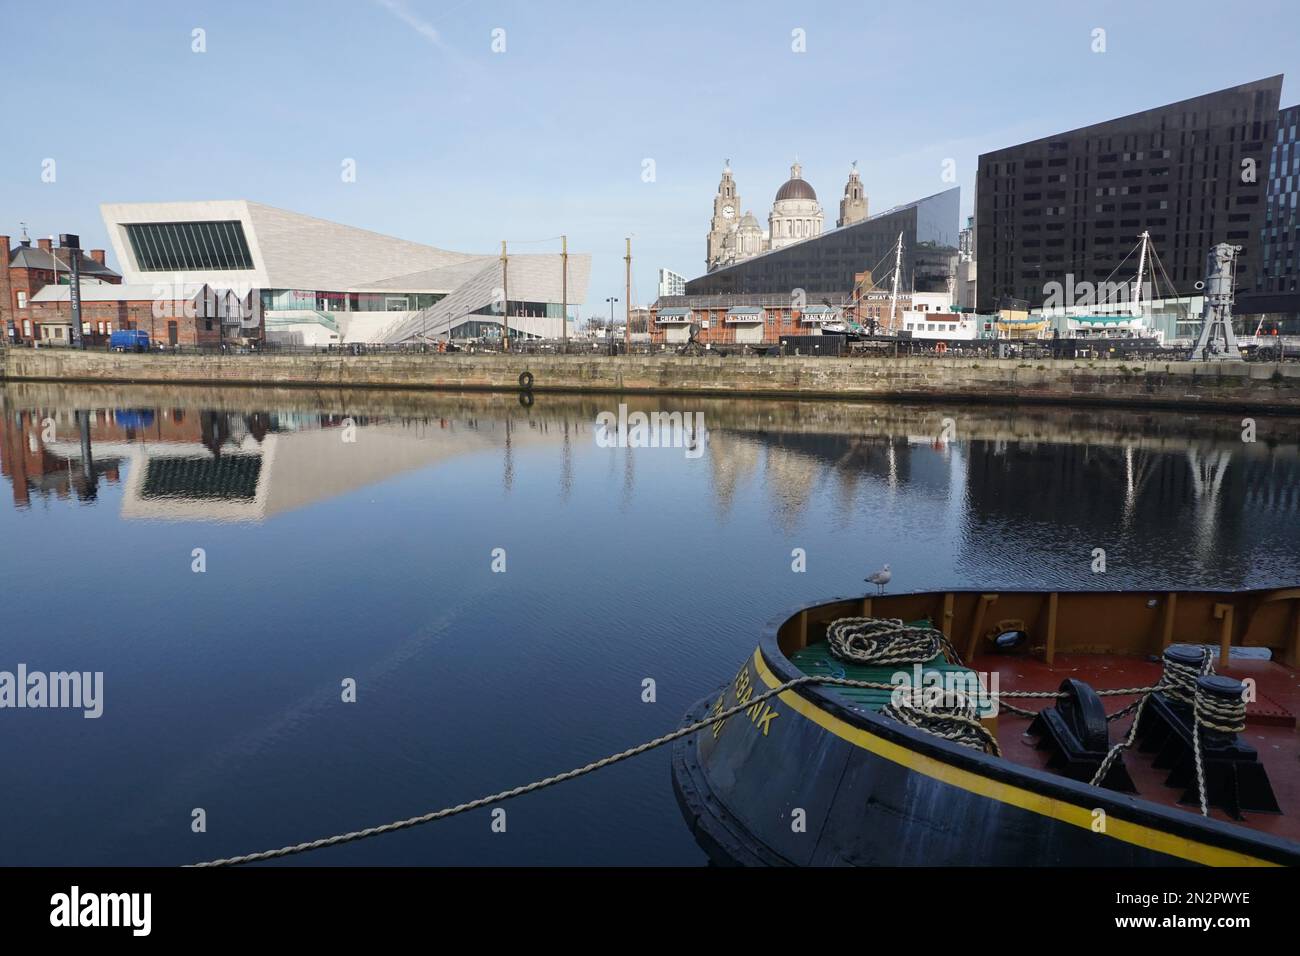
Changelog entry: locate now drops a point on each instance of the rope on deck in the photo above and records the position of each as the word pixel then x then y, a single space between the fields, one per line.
pixel 887 640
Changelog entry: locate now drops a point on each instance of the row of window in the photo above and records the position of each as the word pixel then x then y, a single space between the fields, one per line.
pixel 189 246
pixel 932 326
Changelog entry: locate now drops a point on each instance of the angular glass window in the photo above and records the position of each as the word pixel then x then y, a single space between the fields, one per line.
pixel 189 246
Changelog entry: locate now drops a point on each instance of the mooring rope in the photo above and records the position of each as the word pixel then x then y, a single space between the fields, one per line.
pixel 1182 678
pixel 526 788
pixel 956 722
pixel 1228 717
pixel 1113 754
pixel 504 795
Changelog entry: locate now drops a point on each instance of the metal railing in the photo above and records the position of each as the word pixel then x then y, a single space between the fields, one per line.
pixel 877 346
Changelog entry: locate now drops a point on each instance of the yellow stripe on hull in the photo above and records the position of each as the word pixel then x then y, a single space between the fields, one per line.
pixel 1123 830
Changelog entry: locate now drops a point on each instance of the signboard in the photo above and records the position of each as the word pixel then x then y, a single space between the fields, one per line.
pixel 73 245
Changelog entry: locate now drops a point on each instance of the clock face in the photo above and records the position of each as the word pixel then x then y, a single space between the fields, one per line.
pixel 728 211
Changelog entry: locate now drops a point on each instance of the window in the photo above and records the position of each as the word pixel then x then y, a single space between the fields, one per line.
pixel 22 300
pixel 181 246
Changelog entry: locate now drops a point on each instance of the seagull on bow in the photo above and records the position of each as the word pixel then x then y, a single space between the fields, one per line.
pixel 880 578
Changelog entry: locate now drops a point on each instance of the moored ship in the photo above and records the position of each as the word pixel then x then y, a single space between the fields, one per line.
pixel 1088 728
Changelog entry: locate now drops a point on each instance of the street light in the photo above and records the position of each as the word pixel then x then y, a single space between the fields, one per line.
pixel 609 334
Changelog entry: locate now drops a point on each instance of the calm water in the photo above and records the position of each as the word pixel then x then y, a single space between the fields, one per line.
pixel 371 559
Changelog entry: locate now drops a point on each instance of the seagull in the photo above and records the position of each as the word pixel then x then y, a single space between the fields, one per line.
pixel 880 578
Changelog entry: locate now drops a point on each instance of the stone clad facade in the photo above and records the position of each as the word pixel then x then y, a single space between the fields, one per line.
pixel 796 215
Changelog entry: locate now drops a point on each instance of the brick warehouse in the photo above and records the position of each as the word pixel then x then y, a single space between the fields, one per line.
pixel 25 270
pixel 188 318
pixel 737 319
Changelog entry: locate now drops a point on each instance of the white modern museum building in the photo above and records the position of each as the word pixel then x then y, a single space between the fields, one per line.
pixel 320 282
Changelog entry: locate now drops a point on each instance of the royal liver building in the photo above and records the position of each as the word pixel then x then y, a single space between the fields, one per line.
pixel 796 215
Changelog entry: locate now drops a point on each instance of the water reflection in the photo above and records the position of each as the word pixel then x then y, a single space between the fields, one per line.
pixel 274 453
pixel 371 558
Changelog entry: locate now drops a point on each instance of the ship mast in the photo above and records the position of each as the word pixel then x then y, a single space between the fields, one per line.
pixel 1142 265
pixel 893 295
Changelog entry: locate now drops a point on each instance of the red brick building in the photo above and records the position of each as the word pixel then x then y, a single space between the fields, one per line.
pixel 26 269
pixel 35 466
pixel 186 317
pixel 733 320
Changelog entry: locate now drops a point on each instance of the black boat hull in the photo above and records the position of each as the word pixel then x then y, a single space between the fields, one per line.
pixel 803 780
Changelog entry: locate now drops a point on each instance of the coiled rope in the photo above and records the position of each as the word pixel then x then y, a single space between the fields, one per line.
pixel 887 640
pixel 1182 678
pixel 954 721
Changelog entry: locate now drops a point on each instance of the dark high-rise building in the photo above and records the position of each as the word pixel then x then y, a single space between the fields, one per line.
pixel 1280 237
pixel 827 263
pixel 1193 173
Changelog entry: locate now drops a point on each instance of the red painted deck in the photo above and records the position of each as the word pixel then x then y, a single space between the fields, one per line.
pixel 1270 723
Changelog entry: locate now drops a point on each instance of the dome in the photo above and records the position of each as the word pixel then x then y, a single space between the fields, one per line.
pixel 796 189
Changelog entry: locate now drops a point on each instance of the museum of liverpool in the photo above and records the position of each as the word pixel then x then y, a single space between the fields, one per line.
pixel 321 283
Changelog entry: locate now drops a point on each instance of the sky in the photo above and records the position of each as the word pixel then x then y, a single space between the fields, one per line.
pixel 469 123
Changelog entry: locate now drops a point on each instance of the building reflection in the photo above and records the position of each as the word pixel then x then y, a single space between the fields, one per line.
pixel 222 466
pixel 1090 475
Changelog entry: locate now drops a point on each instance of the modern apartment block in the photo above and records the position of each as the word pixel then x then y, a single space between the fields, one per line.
pixel 671 283
pixel 1073 204
pixel 1281 231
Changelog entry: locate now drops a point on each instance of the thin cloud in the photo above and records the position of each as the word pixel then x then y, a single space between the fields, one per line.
pixel 423 27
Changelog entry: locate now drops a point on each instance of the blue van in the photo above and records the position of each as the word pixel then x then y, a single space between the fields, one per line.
pixel 129 340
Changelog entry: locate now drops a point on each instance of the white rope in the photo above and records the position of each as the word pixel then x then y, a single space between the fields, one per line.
pixel 592 767
pixel 886 640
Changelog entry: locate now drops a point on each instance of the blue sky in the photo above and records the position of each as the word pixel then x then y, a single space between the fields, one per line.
pixel 458 146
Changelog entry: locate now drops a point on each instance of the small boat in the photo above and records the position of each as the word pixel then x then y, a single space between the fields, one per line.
pixel 990 728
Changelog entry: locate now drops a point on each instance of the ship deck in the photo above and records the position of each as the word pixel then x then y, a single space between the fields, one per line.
pixel 1107 640
pixel 1270 724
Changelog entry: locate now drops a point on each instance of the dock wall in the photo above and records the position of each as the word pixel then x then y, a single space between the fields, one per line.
pixel 1183 385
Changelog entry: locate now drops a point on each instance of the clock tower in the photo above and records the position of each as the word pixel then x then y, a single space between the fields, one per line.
pixel 853 207
pixel 721 243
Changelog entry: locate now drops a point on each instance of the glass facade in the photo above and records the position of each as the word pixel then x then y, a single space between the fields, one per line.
pixel 306 300
pixel 189 246
pixel 1281 235
pixel 828 263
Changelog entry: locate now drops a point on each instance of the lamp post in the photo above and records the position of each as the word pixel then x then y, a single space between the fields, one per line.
pixel 609 335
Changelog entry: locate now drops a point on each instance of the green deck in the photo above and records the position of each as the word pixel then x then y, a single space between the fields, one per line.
pixel 817 660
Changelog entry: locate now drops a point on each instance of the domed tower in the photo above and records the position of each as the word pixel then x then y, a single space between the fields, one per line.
pixel 749 237
pixel 796 215
pixel 720 247
pixel 853 207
